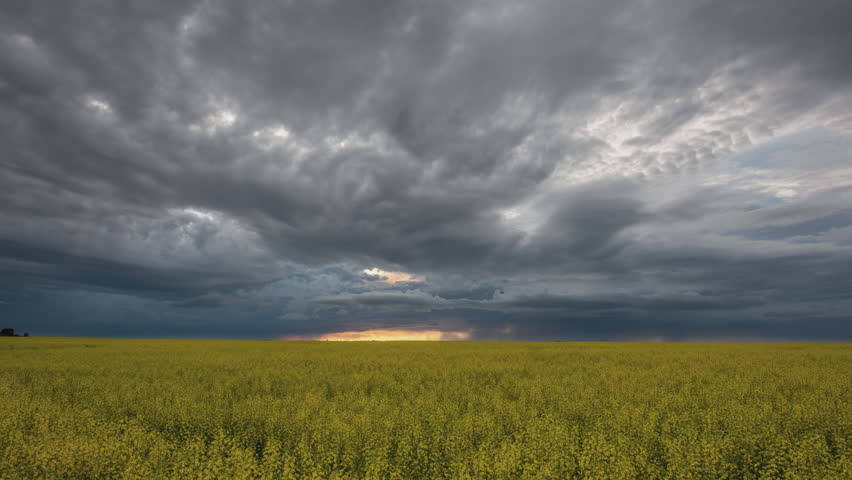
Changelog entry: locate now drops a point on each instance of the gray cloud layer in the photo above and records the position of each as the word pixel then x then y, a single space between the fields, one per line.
pixel 543 169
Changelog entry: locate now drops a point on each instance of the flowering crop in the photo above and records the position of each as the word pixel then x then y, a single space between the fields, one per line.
pixel 157 409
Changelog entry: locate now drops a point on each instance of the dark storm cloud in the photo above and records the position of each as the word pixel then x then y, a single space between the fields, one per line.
pixel 51 268
pixel 379 300
pixel 814 34
pixel 579 163
pixel 624 302
pixel 478 292
pixel 807 228
pixel 203 301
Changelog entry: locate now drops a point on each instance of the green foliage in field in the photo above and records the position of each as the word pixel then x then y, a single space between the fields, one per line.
pixel 151 409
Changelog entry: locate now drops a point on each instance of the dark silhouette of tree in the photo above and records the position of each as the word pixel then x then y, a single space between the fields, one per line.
pixel 7 332
pixel 26 334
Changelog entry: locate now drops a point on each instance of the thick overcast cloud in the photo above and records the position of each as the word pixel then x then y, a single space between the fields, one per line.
pixel 515 170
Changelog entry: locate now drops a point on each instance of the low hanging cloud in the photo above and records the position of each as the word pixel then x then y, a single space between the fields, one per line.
pixel 545 169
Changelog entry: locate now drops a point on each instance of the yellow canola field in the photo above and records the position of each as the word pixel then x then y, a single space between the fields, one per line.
pixel 78 408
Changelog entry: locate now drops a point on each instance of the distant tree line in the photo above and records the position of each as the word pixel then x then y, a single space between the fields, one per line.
pixel 10 332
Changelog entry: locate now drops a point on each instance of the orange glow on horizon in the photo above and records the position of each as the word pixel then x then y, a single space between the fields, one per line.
pixel 387 335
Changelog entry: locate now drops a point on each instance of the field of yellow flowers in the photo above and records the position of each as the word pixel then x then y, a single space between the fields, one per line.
pixel 182 409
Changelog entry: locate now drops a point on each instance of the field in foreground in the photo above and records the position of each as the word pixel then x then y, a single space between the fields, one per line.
pixel 151 409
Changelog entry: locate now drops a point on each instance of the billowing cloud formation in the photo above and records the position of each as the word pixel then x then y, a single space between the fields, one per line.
pixel 541 170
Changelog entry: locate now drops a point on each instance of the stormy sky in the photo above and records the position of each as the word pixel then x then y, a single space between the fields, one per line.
pixel 539 170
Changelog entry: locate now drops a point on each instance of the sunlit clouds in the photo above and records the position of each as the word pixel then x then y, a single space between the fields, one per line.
pixel 392 277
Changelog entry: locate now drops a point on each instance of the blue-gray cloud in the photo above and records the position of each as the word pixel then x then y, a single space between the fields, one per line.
pixel 546 169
